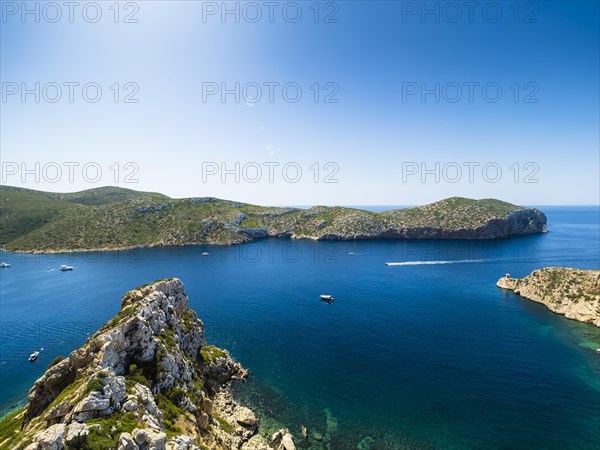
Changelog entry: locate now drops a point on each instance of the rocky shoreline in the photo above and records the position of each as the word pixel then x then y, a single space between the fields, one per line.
pixel 147 380
pixel 110 219
pixel 494 229
pixel 574 293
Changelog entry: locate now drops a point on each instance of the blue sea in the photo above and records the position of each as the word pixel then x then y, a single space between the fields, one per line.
pixel 425 354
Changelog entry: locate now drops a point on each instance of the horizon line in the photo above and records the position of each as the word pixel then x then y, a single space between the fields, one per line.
pixel 345 205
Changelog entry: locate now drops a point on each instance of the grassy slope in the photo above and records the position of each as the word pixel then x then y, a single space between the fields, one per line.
pixel 114 217
pixel 24 210
pixel 105 195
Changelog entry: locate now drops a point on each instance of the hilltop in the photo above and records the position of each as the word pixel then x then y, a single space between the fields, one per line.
pixel 147 380
pixel 575 293
pixel 113 218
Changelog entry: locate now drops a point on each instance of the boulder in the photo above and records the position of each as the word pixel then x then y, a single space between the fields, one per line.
pixel 245 416
pixel 287 443
pixel 52 438
pixel 283 440
pixel 93 402
pixel 76 430
pixel 58 411
pixel 156 440
pixel 130 405
pixel 126 442
pixel 139 436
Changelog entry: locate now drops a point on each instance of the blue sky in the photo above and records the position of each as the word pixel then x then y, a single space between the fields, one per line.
pixel 537 143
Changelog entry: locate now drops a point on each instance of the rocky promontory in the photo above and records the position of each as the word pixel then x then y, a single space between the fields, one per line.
pixel 574 293
pixel 147 380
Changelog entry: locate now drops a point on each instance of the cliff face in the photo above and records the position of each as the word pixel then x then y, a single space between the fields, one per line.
pixel 518 222
pixel 575 293
pixel 145 380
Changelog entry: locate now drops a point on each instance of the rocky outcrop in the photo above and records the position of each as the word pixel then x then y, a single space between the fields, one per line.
pixel 574 293
pixel 146 380
pixel 523 221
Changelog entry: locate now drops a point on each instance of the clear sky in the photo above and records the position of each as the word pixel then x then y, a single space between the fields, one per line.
pixel 401 102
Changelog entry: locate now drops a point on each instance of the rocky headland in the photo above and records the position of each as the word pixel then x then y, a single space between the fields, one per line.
pixel 147 380
pixel 574 293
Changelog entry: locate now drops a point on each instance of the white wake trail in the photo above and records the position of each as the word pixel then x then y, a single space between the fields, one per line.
pixel 419 263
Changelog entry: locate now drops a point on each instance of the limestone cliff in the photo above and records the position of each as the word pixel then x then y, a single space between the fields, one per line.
pixel 146 380
pixel 575 293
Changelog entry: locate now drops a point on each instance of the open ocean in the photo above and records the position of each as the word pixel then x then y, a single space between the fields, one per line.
pixel 428 353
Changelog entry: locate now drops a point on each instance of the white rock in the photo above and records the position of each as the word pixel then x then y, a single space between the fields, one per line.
pixel 52 438
pixel 245 416
pixel 126 442
pixel 93 402
pixel 156 440
pixel 152 422
pixel 181 443
pixel 139 436
pixel 130 405
pixel 60 410
pixel 287 443
pixel 75 430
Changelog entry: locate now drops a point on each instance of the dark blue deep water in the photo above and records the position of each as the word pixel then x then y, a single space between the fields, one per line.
pixel 429 354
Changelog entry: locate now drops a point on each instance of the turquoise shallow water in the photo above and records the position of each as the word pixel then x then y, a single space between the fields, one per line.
pixel 429 354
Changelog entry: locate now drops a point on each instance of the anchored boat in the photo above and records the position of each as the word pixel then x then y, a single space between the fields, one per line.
pixel 64 268
pixel 34 356
pixel 327 298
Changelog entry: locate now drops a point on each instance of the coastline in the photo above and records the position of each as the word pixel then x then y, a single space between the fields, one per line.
pixel 275 236
pixel 573 293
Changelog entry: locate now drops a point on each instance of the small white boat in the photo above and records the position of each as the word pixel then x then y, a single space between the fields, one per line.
pixel 4 264
pixel 351 253
pixel 34 356
pixel 205 254
pixel 64 268
pixel 327 298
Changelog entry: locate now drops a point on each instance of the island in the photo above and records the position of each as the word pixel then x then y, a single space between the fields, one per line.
pixel 574 293
pixel 112 218
pixel 146 380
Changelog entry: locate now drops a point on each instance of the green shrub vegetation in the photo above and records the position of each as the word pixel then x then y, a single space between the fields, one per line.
pixel 35 220
pixel 9 429
pixel 94 385
pixel 104 433
pixel 171 413
pixel 210 353
pixel 226 426
pixel 139 373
